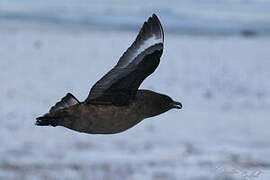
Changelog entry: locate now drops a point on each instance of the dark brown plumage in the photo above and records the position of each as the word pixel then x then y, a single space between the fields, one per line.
pixel 114 103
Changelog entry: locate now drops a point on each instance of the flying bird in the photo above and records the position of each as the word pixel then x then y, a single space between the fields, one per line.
pixel 115 103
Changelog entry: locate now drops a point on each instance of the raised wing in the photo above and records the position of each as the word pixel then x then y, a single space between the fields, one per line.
pixel 119 85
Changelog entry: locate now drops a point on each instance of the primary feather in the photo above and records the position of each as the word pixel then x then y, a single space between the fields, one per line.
pixel 119 85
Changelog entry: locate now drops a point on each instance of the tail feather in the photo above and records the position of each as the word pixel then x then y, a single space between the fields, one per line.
pixel 47 121
pixel 53 117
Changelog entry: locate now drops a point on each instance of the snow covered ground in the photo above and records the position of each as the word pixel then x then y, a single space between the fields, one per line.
pixel 223 83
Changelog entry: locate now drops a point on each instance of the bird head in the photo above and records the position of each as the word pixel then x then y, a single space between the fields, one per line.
pixel 156 103
pixel 166 102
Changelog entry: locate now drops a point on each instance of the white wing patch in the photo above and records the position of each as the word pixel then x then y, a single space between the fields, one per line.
pixel 150 34
pixel 149 41
pixel 146 44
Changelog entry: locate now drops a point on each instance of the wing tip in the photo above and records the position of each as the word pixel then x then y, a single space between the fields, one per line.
pixel 154 16
pixel 67 101
pixel 157 22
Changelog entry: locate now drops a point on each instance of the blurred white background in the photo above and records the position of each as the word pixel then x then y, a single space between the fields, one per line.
pixel 216 62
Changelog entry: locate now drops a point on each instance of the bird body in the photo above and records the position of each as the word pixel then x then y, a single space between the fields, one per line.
pixel 114 103
pixel 97 119
pixel 106 119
